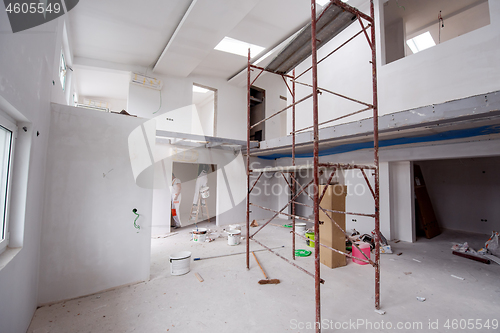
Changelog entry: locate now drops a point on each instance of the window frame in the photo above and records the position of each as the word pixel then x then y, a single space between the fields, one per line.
pixel 10 125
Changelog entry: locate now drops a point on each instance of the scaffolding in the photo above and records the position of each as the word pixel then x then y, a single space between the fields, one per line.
pixel 333 19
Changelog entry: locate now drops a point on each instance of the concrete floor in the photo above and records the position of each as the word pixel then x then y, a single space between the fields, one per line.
pixel 231 300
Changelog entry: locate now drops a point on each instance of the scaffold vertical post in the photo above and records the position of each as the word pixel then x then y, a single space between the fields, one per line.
pixel 315 166
pixel 293 174
pixel 376 161
pixel 248 163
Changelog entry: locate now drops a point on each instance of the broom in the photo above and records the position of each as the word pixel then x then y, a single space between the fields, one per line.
pixel 267 280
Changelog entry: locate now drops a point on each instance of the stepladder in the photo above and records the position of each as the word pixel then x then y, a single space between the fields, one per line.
pixel 199 211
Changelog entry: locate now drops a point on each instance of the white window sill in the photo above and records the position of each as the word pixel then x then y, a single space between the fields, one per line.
pixel 7 255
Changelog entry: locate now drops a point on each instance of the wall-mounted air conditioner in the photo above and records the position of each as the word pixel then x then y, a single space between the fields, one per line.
pixel 146 81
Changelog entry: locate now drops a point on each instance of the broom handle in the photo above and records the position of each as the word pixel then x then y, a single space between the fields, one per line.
pixel 260 266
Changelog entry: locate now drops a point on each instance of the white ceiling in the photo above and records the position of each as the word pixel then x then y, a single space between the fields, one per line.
pixel 176 37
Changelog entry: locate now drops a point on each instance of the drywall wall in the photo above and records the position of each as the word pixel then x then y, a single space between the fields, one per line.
pixel 176 94
pixel 27 70
pixel 89 242
pixel 464 192
pixel 461 67
pixel 274 87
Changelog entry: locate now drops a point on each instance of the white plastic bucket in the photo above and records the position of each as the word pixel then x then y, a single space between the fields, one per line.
pixel 200 235
pixel 180 263
pixel 233 237
pixel 300 228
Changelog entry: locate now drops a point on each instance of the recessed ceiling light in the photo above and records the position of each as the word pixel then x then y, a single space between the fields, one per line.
pixel 238 47
pixel 199 89
pixel 421 42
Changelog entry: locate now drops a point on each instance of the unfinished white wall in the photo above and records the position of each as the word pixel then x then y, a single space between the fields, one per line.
pixel 27 70
pixel 464 192
pixel 274 87
pixel 461 67
pixel 177 94
pixel 89 242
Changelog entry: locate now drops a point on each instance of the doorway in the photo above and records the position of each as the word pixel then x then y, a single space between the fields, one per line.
pixel 257 113
pixel 205 112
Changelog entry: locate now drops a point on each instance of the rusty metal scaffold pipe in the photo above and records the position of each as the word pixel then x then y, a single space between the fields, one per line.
pixel 248 162
pixel 317 270
pixel 376 160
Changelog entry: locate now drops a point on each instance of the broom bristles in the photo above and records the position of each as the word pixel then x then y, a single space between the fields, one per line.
pixel 269 281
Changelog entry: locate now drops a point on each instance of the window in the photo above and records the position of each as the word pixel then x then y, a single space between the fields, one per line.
pixel 62 71
pixel 7 137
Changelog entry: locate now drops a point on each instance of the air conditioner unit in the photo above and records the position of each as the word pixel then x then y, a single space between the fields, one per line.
pixel 145 81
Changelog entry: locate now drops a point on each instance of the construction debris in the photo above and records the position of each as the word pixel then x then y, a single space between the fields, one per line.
pixel 472 257
pixel 254 224
pixel 457 277
pixel 198 276
pixel 421 299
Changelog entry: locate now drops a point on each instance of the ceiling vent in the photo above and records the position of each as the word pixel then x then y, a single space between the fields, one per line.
pixel 145 81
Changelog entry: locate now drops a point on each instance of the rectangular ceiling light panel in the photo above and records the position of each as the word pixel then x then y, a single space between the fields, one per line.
pixel 238 47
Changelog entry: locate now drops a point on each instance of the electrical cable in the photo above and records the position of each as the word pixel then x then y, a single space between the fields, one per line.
pixel 138 227
pixel 160 104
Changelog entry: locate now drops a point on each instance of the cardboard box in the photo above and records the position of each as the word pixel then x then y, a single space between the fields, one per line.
pixel 330 234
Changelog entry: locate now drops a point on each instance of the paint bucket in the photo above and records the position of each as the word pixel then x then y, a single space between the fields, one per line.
pixel 365 247
pixel 233 237
pixel 200 235
pixel 180 263
pixel 204 192
pixel 310 240
pixel 300 228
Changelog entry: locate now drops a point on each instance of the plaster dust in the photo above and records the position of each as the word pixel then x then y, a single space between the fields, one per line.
pixel 231 300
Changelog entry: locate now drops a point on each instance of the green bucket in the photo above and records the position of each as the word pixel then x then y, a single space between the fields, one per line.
pixel 310 242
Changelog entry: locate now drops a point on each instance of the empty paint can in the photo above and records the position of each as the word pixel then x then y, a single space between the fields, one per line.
pixel 365 247
pixel 233 237
pixel 180 263
pixel 300 228
pixel 200 235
